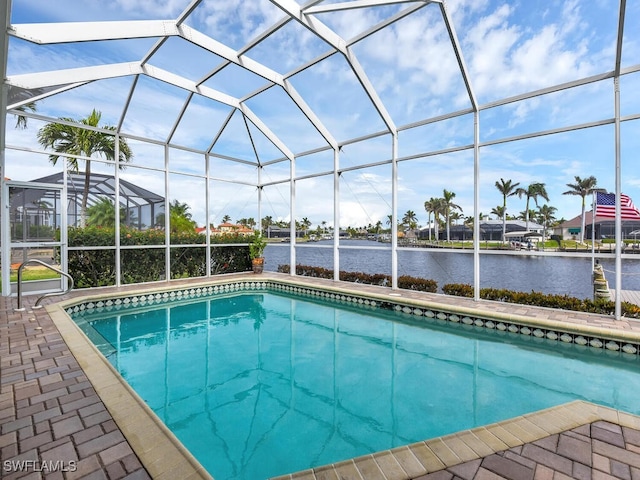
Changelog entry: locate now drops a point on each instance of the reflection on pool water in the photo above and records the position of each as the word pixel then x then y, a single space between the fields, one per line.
pixel 257 384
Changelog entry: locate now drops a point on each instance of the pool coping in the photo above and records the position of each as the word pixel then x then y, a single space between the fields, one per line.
pixel 429 456
pixel 163 455
pixel 160 452
pixel 599 335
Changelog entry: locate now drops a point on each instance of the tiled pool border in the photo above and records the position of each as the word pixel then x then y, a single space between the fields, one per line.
pixel 164 457
pixel 580 335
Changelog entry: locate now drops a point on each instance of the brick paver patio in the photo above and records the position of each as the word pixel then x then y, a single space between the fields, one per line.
pixel 601 450
pixel 54 425
pixel 52 422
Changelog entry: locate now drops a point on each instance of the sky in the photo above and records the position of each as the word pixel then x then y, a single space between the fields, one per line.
pixel 508 48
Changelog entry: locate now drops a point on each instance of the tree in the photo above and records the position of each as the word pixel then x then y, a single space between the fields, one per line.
pixel 266 222
pixel 534 191
pixel 181 209
pixel 71 142
pixel 410 219
pixel 21 120
pixel 499 212
pixel 428 207
pixel 180 220
pixel 469 222
pixel 103 214
pixel 226 219
pixel 546 215
pixel 447 206
pixel 583 187
pixel 438 210
pixel 431 206
pixel 247 222
pixel 523 214
pixel 306 224
pixel 507 188
pixel 455 216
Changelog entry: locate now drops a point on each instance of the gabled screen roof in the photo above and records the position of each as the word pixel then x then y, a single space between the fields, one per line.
pixel 315 65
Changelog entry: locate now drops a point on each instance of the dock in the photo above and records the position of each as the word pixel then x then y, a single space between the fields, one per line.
pixel 631 296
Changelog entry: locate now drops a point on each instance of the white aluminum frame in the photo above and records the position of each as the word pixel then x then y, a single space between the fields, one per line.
pixel 45 84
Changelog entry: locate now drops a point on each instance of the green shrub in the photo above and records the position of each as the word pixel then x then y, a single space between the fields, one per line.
pixel 562 302
pixel 96 268
pixel 405 281
pixel 92 268
pixel 458 289
pixel 420 284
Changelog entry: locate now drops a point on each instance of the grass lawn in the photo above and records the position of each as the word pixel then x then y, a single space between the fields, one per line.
pixel 33 273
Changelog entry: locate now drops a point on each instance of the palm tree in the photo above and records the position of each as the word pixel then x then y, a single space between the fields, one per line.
pixel 181 209
pixel 410 220
pixel 247 222
pixel 324 226
pixel 438 209
pixel 306 223
pixel 430 206
pixel 507 189
pixel 72 142
pixel 180 219
pixel 583 187
pixel 469 222
pixel 546 215
pixel 226 218
pixel 534 191
pixel 103 213
pixel 266 222
pixel 499 212
pixel 523 214
pixel 448 205
pixel 453 219
pixel 21 120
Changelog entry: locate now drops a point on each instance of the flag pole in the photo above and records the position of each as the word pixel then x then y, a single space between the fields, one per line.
pixel 593 231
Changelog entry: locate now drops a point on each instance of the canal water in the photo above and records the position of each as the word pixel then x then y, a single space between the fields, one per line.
pixel 541 272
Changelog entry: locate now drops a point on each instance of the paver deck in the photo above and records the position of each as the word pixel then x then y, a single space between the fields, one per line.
pixel 65 414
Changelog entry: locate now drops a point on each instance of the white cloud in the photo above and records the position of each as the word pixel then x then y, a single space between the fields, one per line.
pixel 507 58
pixel 148 8
pixel 237 21
pixel 522 110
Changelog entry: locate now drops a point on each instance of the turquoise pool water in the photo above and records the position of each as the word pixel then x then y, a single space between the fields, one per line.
pixel 257 384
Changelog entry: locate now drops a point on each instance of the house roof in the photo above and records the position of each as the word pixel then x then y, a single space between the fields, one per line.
pixel 576 222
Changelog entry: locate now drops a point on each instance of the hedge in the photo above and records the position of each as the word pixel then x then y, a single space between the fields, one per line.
pixel 96 268
pixel 405 281
pixel 563 302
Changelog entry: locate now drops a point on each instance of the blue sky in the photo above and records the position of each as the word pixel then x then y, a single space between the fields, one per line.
pixel 509 48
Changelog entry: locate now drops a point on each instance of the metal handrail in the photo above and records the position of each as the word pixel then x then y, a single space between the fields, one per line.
pixel 50 294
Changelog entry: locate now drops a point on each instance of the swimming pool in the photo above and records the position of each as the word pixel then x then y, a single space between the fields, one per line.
pixel 285 382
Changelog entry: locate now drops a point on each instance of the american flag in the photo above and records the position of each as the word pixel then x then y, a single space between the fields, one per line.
pixel 606 206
